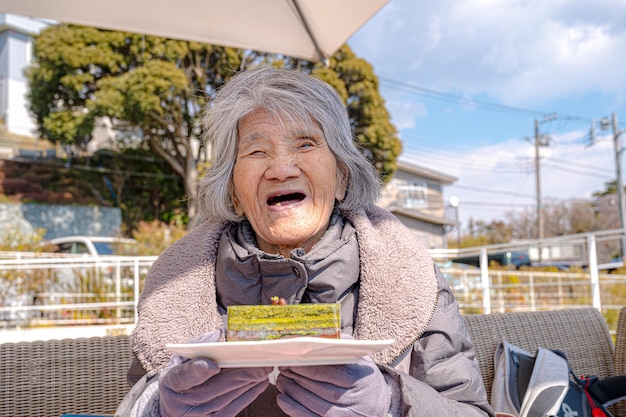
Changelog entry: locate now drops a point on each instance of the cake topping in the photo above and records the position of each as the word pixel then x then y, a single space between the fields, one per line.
pixel 276 301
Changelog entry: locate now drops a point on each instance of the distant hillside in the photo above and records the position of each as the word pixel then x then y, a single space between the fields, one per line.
pixel 44 182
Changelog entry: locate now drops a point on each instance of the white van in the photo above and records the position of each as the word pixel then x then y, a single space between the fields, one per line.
pixel 94 245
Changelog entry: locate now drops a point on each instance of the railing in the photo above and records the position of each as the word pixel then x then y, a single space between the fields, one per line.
pixel 487 289
pixel 53 291
pixel 530 290
pixel 44 290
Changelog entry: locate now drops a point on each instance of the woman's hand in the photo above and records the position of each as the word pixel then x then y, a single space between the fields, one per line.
pixel 357 389
pixel 198 387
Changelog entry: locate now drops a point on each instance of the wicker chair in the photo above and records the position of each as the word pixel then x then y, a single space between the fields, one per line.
pixel 49 378
pixel 581 333
pixel 620 357
pixel 620 344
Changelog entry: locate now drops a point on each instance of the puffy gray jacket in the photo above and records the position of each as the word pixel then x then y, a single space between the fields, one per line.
pixel 402 296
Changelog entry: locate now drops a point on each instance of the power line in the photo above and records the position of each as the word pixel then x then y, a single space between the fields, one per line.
pixel 453 98
pixel 483 104
pixel 492 191
pixel 454 159
pixel 574 171
pixel 448 160
pixel 593 168
pixel 513 206
pixel 451 163
pixel 497 204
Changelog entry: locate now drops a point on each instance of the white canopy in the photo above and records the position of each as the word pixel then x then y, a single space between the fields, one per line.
pixel 307 29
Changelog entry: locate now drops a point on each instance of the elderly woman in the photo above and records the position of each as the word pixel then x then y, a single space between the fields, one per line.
pixel 289 210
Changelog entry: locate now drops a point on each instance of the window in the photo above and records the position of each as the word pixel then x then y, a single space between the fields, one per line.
pixel 413 194
pixel 104 248
pixel 65 247
pixel 73 247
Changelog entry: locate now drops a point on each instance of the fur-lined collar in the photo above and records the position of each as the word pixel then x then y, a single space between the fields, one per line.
pixel 398 291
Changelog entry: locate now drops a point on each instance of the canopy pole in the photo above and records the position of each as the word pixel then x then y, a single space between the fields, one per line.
pixel 323 59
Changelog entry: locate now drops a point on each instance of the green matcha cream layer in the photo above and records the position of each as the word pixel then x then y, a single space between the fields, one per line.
pixel 268 322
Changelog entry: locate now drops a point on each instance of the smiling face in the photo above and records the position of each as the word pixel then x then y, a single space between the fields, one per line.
pixel 285 182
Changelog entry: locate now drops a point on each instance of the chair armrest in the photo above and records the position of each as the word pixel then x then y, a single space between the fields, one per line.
pixel 620 344
pixel 619 409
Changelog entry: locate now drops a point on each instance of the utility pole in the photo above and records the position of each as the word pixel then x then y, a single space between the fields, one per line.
pixel 620 183
pixel 538 186
pixel 540 140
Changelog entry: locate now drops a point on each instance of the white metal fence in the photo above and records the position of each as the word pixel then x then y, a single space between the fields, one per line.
pixel 592 262
pixel 39 290
pixel 513 290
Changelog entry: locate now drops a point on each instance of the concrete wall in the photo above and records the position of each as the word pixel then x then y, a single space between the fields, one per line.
pixel 59 220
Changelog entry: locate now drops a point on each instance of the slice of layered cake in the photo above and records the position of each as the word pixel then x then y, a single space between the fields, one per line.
pixel 268 322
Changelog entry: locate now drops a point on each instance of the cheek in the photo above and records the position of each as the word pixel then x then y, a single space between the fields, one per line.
pixel 245 188
pixel 236 191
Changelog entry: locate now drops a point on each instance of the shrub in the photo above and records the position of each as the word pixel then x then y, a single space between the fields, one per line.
pixel 155 236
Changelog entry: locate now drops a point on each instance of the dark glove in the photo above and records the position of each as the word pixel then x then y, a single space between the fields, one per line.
pixel 356 389
pixel 198 387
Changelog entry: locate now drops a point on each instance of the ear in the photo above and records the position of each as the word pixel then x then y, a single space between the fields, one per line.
pixel 342 184
pixel 236 205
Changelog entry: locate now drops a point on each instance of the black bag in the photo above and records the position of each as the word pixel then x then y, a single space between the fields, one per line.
pixel 543 384
pixel 589 396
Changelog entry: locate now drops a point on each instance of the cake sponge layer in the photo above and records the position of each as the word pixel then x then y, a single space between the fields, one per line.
pixel 267 322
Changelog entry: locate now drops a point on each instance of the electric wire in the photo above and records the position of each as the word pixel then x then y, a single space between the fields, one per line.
pixel 483 104
pixel 572 170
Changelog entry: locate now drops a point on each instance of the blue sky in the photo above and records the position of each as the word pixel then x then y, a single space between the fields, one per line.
pixel 465 80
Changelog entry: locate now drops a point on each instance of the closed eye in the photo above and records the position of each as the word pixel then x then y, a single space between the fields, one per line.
pixel 251 152
pixel 306 142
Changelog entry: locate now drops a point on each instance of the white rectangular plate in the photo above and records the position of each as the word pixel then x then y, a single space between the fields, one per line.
pixel 281 352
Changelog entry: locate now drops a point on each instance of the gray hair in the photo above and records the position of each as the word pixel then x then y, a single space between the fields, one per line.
pixel 289 95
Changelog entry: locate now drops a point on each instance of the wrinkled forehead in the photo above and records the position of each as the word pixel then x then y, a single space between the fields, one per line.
pixel 283 117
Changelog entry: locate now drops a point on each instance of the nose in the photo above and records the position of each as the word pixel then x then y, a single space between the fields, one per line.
pixel 282 167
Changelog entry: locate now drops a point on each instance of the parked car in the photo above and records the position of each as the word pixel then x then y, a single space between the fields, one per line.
pixel 94 245
pixel 92 277
pixel 460 276
pixel 510 259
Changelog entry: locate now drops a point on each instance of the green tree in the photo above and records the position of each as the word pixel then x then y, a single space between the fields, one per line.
pixel 156 88
pixel 481 233
pixel 355 80
pixel 610 188
pixel 145 188
pixel 357 85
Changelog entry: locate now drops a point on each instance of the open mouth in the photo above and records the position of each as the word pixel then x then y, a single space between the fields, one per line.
pixel 279 200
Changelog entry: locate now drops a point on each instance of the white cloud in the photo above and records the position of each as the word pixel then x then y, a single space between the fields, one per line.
pixel 520 52
pixel 404 112
pixel 559 56
pixel 499 178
